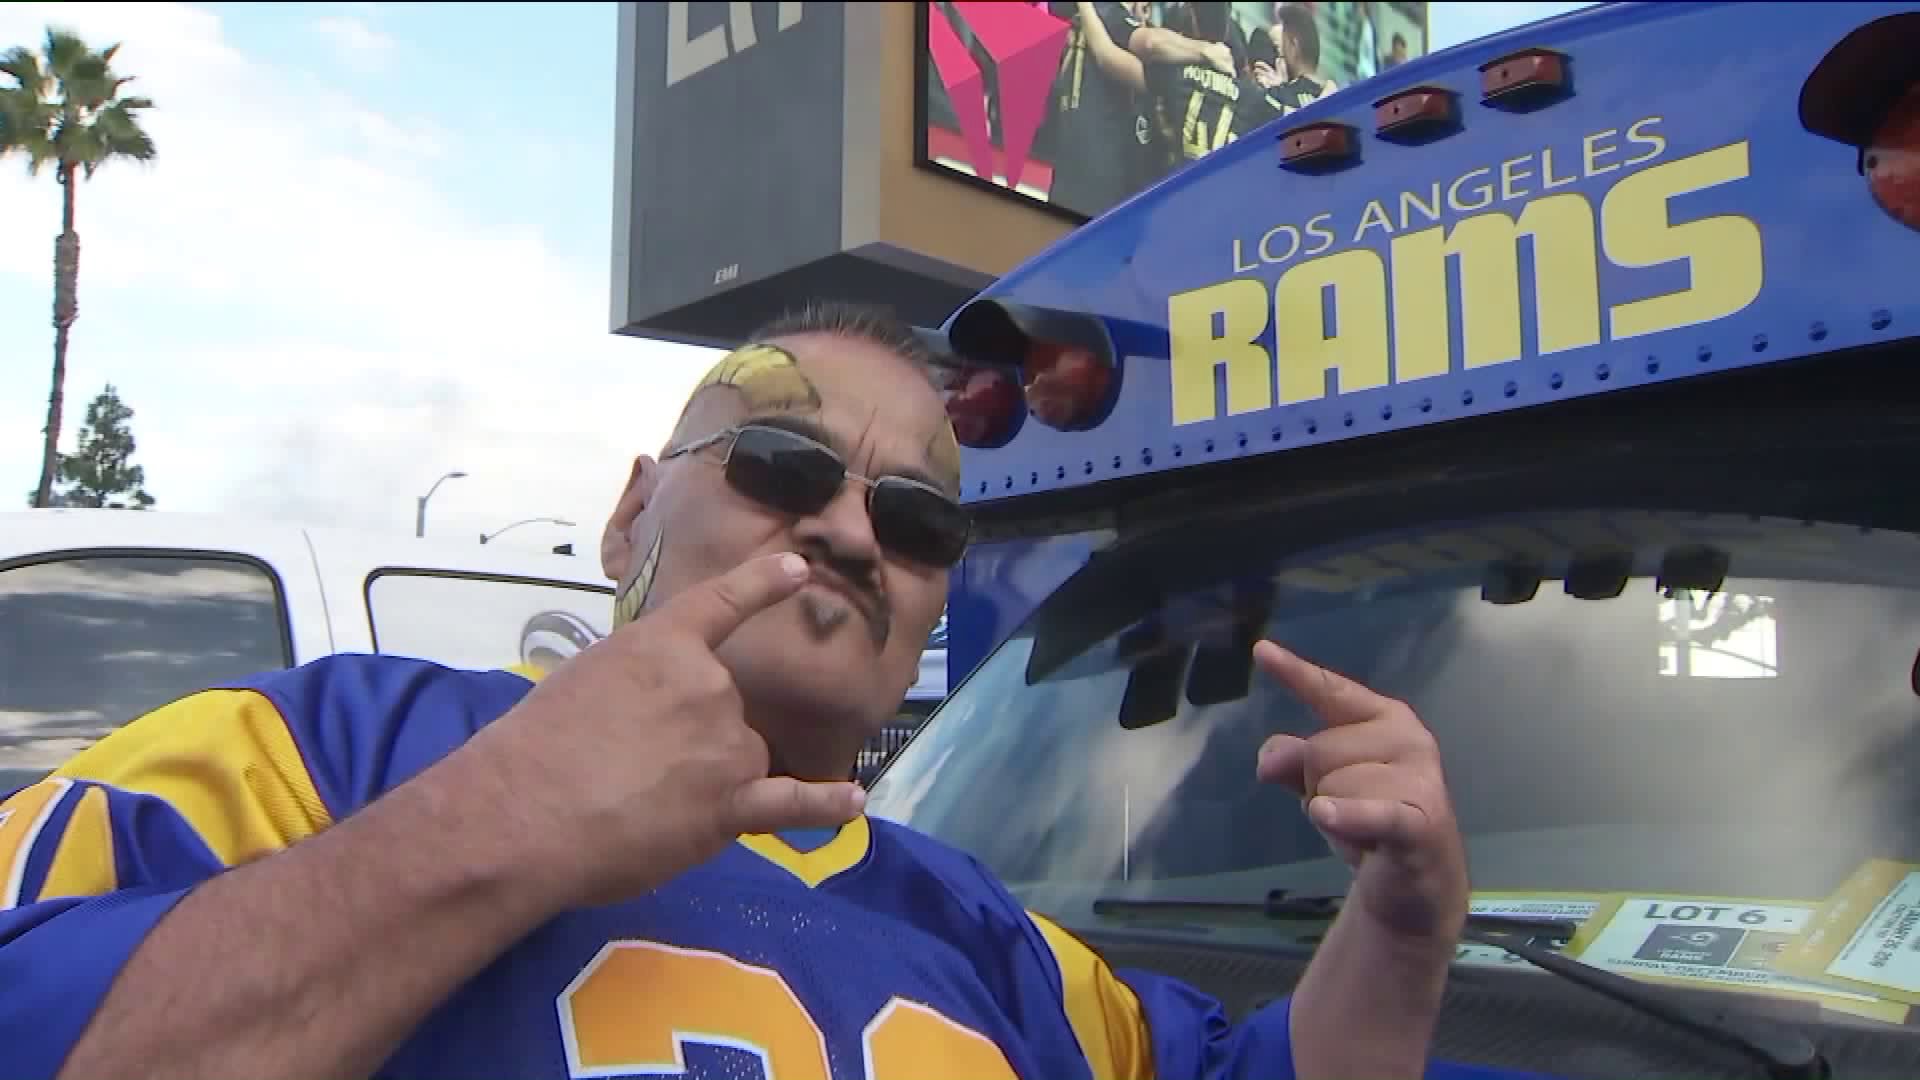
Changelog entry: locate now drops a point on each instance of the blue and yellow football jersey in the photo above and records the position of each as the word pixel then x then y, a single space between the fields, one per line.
pixel 872 953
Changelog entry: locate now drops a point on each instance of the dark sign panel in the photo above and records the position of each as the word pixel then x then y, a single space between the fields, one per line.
pixel 727 155
pixel 1081 105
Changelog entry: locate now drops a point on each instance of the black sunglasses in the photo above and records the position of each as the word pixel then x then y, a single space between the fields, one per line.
pixel 791 473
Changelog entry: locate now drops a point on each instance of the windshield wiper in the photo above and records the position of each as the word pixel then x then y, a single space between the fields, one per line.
pixel 1279 904
pixel 1785 1052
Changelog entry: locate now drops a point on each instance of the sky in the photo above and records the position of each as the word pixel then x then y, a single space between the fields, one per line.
pixel 373 250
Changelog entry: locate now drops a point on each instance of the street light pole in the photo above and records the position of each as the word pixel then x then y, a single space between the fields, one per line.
pixel 420 506
pixel 562 522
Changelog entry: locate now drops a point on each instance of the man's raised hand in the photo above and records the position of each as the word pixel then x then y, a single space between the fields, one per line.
pixel 634 763
pixel 1373 784
pixel 711 613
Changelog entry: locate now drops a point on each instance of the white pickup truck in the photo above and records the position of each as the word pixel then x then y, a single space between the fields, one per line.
pixel 105 614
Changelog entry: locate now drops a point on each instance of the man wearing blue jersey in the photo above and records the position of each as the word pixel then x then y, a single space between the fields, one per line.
pixel 374 866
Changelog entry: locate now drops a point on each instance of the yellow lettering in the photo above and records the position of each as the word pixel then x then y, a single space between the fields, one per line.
pixel 1385 562
pixel 1375 217
pixel 1566 286
pixel 1655 141
pixel 1547 179
pixel 1420 295
pixel 1293 244
pixel 1430 209
pixel 1511 178
pixel 1456 549
pixel 1341 311
pixel 1566 272
pixel 1357 348
pixel 1341 573
pixel 1242 308
pixel 1416 556
pixel 1313 579
pixel 1363 569
pixel 1483 198
pixel 1317 228
pixel 1723 253
pixel 1594 152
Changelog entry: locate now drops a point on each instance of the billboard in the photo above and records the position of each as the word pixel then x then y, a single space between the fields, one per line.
pixel 1077 106
pixel 766 155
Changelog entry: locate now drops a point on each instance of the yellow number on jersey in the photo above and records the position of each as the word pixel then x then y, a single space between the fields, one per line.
pixel 639 1003
pixel 1197 138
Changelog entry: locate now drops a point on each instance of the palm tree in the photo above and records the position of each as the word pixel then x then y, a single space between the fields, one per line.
pixel 65 109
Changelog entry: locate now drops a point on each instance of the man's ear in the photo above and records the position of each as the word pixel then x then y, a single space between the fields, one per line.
pixel 616 540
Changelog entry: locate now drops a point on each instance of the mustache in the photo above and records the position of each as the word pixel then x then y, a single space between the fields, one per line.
pixel 859 579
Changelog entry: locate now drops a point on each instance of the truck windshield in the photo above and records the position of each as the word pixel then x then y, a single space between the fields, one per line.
pixel 1645 716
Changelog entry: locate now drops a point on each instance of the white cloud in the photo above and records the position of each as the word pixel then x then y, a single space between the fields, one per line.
pixel 343 332
pixel 356 42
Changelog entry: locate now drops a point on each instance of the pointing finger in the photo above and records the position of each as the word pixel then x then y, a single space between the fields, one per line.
pixel 715 609
pixel 1335 699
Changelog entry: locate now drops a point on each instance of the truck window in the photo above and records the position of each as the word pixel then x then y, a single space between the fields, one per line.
pixel 88 642
pixel 1633 698
pixel 479 621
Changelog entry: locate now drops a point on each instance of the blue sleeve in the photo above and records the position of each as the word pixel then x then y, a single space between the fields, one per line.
pixel 96 854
